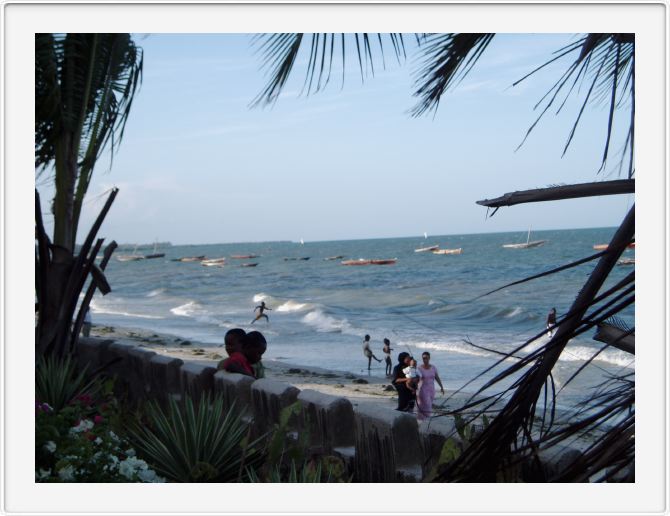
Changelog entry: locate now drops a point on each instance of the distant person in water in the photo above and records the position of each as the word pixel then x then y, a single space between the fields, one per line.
pixel 551 322
pixel 368 352
pixel 261 308
pixel 255 347
pixel 405 395
pixel 387 351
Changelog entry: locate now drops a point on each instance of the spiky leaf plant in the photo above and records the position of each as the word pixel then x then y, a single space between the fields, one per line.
pixel 196 442
pixel 58 381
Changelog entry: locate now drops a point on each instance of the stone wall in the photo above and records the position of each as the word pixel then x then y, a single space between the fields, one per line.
pixel 377 443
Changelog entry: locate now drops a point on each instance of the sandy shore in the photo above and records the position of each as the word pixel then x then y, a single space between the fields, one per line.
pixel 359 389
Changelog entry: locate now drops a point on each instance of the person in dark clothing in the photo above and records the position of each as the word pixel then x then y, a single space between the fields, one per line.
pixel 551 322
pixel 405 395
pixel 261 308
pixel 233 340
pixel 255 346
pixel 245 358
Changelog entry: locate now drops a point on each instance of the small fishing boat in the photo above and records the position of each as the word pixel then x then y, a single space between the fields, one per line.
pixel 130 257
pixel 298 258
pixel 330 258
pixel 448 251
pixel 527 245
pixel 213 262
pixel 190 259
pixel 626 261
pixel 603 247
pixel 249 264
pixel 363 261
pixel 427 249
pixel 154 254
pixel 243 256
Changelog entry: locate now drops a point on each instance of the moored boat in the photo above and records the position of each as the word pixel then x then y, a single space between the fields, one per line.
pixel 603 247
pixel 129 257
pixel 243 256
pixel 427 249
pixel 249 264
pixel 190 259
pixel 213 262
pixel 364 261
pixel 527 245
pixel 626 261
pixel 330 258
pixel 448 251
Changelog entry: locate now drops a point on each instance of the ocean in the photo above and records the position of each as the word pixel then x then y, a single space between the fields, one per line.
pixel 320 309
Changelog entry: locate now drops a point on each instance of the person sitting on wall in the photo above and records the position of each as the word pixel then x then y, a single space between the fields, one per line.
pixel 233 340
pixel 255 347
pixel 237 362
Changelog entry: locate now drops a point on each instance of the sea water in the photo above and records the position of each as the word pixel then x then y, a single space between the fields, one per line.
pixel 321 309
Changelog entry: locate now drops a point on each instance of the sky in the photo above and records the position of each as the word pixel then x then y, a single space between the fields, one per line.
pixel 197 165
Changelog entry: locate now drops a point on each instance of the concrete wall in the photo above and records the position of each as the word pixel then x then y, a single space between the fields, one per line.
pixel 377 443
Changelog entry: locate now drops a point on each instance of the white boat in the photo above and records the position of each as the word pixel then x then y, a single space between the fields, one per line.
pixel 426 249
pixel 448 251
pixel 130 257
pixel 528 244
pixel 213 262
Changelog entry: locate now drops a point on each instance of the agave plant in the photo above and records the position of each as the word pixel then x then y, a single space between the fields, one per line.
pixel 189 442
pixel 58 381
pixel 306 473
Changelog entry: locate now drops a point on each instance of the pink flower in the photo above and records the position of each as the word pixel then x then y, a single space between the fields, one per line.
pixel 98 419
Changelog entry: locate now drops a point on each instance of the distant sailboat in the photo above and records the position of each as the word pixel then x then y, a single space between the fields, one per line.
pixel 154 254
pixel 425 235
pixel 302 242
pixel 130 257
pixel 528 244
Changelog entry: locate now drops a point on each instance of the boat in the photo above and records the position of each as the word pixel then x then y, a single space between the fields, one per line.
pixel 330 258
pixel 626 261
pixel 527 245
pixel 189 259
pixel 448 251
pixel 363 261
pixel 298 258
pixel 154 254
pixel 130 257
pixel 213 262
pixel 249 264
pixel 603 247
pixel 427 249
pixel 243 256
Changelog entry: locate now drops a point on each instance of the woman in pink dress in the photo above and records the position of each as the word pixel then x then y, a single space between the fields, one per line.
pixel 426 392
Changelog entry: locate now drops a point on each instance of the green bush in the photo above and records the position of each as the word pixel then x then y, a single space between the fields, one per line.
pixel 58 382
pixel 189 443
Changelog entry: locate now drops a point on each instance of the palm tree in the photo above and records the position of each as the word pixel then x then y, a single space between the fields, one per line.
pixel 84 88
pixel 605 65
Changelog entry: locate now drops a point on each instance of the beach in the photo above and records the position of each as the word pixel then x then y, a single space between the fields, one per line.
pixel 374 388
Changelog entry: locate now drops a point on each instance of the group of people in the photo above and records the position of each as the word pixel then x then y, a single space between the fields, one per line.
pixel 415 384
pixel 245 351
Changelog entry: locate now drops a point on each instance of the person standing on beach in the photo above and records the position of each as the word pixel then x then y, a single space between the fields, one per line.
pixel 387 351
pixel 426 392
pixel 261 308
pixel 86 326
pixel 551 322
pixel 368 352
pixel 405 395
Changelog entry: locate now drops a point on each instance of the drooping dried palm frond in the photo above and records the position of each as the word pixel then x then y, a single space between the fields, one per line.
pixel 522 426
pixel 279 53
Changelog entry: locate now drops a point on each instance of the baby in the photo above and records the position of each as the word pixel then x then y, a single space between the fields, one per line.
pixel 413 374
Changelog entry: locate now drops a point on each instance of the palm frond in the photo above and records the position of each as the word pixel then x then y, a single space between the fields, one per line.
pixel 447 59
pixel 279 54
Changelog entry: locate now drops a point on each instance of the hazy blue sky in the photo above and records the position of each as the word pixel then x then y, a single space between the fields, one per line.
pixel 197 165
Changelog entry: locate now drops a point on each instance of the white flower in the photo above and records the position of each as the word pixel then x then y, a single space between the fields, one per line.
pixel 50 446
pixel 114 436
pixel 149 475
pixel 126 470
pixel 66 474
pixel 130 452
pixel 42 474
pixel 83 426
pixel 97 440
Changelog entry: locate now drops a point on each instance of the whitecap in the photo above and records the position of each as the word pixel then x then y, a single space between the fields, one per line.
pixel 610 356
pixel 293 306
pixel 155 292
pixel 325 323
pixel 187 309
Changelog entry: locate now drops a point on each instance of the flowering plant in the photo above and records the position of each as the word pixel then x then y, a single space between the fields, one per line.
pixel 78 444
